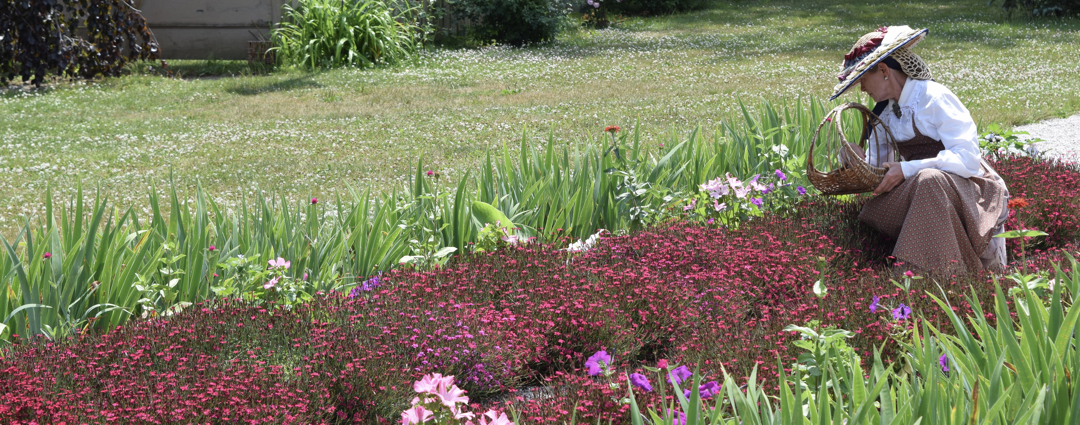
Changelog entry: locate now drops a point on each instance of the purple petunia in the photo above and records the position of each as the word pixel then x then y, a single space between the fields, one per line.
pixel 944 362
pixel 593 363
pixel 757 201
pixel 370 284
pixel 680 374
pixel 902 312
pixel 874 304
pixel 707 390
pixel 801 190
pixel 780 175
pixel 679 417
pixel 640 381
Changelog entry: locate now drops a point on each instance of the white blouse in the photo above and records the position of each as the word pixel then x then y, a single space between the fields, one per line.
pixel 939 114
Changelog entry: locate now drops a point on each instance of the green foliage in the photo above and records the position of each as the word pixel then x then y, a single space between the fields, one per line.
pixel 653 7
pixel 1042 7
pixel 998 142
pixel 319 34
pixel 486 214
pixel 84 38
pixel 514 22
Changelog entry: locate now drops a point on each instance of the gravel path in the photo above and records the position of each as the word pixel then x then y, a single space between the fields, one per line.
pixel 1061 136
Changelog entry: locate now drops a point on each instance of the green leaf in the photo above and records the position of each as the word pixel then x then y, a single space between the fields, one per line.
pixel 409 258
pixel 445 251
pixel 1021 234
pixel 487 214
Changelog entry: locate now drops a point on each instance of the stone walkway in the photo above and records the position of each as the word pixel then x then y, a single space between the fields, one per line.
pixel 1061 136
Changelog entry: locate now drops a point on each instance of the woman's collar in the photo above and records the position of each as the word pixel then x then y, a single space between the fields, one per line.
pixel 909 87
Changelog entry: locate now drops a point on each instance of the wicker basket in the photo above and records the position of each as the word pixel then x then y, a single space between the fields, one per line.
pixel 854 175
pixel 258 53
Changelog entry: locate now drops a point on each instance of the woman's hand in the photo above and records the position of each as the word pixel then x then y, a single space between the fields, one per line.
pixel 893 177
pixel 858 150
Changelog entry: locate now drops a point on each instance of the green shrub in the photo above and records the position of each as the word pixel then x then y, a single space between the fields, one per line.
pixel 514 22
pixel 334 33
pixel 1042 7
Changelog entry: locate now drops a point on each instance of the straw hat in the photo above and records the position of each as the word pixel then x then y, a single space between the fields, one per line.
pixel 872 48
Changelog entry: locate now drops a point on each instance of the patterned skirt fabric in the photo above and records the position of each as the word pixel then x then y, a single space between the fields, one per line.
pixel 943 223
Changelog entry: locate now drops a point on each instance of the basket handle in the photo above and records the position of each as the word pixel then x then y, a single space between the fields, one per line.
pixel 871 122
pixel 813 141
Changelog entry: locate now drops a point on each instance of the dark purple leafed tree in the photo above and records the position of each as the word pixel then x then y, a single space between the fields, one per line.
pixel 75 38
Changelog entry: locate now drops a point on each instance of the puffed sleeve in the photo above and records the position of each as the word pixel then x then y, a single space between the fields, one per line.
pixel 880 149
pixel 941 112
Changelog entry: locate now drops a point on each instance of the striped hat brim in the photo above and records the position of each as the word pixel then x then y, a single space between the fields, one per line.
pixel 905 40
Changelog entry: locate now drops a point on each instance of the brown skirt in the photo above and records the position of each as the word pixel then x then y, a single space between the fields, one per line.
pixel 943 223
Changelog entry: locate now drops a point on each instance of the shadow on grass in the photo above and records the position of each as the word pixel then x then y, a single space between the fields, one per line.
pixel 19 88
pixel 249 87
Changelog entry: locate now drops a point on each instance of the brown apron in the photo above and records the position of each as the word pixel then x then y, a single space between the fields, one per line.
pixel 943 223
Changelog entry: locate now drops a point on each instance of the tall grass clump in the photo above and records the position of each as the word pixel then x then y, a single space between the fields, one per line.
pixel 319 34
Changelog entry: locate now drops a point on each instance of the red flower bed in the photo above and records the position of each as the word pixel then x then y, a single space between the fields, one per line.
pixel 512 319
pixel 1051 193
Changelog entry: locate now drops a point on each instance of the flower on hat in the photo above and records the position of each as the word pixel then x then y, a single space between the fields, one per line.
pixel 872 48
pixel 859 51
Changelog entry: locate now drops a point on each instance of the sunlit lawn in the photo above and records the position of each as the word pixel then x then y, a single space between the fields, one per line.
pixel 318 134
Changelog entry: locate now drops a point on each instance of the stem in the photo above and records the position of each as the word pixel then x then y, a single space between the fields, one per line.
pixel 1023 251
pixel 1023 256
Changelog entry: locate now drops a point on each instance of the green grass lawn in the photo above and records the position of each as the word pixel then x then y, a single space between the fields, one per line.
pixel 318 134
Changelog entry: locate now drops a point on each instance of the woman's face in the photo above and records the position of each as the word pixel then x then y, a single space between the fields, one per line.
pixel 874 83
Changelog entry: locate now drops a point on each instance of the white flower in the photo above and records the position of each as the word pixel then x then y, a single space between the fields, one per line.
pixel 780 150
pixel 582 246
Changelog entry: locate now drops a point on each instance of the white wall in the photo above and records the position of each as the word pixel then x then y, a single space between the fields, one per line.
pixel 199 29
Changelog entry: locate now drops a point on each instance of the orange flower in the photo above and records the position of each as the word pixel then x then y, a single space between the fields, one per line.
pixel 1017 203
pixel 612 129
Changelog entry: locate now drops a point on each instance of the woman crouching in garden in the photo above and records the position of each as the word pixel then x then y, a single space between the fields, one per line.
pixel 942 202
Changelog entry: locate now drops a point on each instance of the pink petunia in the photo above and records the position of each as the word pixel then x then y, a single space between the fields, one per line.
pixel 430 384
pixel 741 192
pixel 279 262
pixel 271 283
pixel 497 418
pixel 416 414
pixel 451 396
